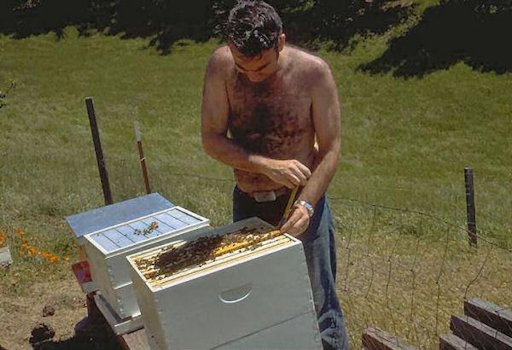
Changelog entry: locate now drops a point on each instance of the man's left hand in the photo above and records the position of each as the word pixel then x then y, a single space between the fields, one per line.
pixel 297 222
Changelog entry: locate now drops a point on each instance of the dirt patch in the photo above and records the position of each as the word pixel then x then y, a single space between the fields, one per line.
pixel 26 322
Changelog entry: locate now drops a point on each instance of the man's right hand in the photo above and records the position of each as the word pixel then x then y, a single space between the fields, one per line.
pixel 289 173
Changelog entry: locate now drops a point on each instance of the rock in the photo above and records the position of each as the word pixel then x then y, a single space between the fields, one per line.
pixel 40 333
pixel 48 310
pixel 5 257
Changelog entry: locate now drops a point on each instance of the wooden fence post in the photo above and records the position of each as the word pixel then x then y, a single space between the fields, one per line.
pixel 142 159
pixel 100 159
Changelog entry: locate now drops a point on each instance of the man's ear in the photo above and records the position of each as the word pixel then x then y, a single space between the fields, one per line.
pixel 281 39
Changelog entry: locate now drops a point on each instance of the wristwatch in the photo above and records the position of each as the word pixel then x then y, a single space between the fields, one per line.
pixel 306 205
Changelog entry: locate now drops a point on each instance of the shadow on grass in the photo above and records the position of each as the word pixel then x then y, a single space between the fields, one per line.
pixel 165 22
pixel 470 31
pixel 162 22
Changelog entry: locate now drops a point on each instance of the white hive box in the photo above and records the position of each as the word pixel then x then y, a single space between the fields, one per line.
pixel 107 250
pixel 98 219
pixel 253 298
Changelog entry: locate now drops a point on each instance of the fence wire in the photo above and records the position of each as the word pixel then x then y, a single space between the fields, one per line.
pixel 411 275
pixel 405 271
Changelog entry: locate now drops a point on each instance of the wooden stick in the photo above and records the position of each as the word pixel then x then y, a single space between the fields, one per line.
pixel 141 157
pixel 289 205
pixel 100 159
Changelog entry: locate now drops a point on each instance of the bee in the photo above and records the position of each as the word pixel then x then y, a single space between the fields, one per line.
pixel 153 226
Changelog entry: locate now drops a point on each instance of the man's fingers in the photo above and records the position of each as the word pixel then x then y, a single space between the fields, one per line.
pixel 288 183
pixel 297 223
pixel 303 179
pixel 304 170
pixel 301 172
pixel 290 222
pixel 289 173
pixel 287 225
pixel 295 180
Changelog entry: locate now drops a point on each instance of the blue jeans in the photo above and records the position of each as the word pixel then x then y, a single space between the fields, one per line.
pixel 320 251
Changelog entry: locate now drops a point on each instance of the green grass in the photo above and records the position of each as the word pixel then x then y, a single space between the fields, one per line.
pixel 405 145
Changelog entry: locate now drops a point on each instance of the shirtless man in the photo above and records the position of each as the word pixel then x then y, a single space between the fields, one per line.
pixel 271 112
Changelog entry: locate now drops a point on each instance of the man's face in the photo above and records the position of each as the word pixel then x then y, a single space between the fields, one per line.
pixel 259 67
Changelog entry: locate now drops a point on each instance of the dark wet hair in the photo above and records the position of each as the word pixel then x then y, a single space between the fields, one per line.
pixel 252 26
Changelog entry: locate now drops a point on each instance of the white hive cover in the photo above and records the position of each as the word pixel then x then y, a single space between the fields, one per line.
pixel 125 235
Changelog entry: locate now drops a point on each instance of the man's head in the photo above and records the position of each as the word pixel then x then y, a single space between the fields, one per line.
pixel 254 33
pixel 252 27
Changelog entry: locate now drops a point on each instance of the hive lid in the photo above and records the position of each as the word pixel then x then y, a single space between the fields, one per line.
pixel 166 222
pixel 114 214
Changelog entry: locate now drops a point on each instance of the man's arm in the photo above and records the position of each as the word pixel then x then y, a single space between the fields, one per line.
pixel 214 126
pixel 327 124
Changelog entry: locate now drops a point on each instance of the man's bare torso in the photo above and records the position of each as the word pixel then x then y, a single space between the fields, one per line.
pixel 273 117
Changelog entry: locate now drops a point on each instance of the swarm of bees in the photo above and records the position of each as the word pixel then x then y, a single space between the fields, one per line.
pixel 176 258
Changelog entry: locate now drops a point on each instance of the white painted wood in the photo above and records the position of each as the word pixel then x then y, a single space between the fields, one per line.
pixel 110 270
pixel 247 302
pixel 119 326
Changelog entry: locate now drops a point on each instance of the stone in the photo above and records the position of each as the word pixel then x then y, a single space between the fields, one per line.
pixel 5 257
pixel 48 310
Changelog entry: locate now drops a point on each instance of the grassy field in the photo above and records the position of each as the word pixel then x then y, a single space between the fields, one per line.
pixel 398 195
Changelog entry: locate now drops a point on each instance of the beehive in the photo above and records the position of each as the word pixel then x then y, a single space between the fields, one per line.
pixel 107 250
pixel 243 285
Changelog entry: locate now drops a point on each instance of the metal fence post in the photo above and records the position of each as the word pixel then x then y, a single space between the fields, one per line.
pixel 470 206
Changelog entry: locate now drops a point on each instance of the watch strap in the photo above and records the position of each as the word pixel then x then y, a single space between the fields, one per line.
pixel 306 205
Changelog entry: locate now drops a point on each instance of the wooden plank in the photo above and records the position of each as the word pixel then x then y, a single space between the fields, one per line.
pixel 118 326
pixel 452 342
pixel 490 314
pixel 479 334
pixel 134 341
pixel 377 339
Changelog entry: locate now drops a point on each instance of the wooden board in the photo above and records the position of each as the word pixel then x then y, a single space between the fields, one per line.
pixel 479 334
pixel 452 342
pixel 377 339
pixel 134 341
pixel 492 315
